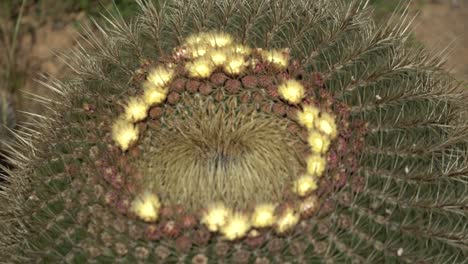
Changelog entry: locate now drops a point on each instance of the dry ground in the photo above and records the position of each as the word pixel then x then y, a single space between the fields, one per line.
pixel 441 24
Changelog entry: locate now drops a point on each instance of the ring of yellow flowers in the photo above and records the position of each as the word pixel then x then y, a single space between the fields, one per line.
pixel 206 52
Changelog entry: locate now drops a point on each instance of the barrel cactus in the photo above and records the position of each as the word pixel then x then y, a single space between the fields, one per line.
pixel 244 132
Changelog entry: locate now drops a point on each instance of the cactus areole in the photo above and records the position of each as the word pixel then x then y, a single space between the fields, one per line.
pixel 250 132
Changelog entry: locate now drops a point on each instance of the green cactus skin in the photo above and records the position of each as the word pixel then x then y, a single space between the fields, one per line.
pixel 403 199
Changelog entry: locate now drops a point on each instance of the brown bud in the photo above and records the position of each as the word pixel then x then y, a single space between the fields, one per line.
pixel 233 86
pixel 206 89
pixel 156 112
pixel 308 206
pixel 218 78
pixel 173 98
pixel 266 107
pixel 272 92
pixel 257 97
pixel 249 81
pixel 153 233
pixel 189 221
pixel 279 109
pixel 183 243
pixel 192 86
pixel 170 229
pixel 255 241
pixel 166 212
pixel 265 81
pixel 178 85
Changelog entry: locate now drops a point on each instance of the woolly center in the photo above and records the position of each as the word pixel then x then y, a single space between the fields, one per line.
pixel 237 157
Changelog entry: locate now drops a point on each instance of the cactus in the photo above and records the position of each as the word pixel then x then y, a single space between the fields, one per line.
pixel 246 132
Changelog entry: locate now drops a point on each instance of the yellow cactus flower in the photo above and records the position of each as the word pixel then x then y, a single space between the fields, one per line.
pixel 316 165
pixel 318 143
pixel 240 49
pixel 263 215
pixel 326 124
pixel 154 95
pixel 287 220
pixel 307 116
pixel 236 227
pixel 218 39
pixel 198 50
pixel 279 58
pixel 124 133
pixel 292 91
pixel 195 38
pixel 218 56
pixel 234 64
pixel 304 185
pixel 216 217
pixel 136 110
pixel 200 68
pixel 146 206
pixel 160 76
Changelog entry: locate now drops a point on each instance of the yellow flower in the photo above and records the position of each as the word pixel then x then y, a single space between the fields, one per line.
pixel 216 217
pixel 316 165
pixel 236 227
pixel 218 39
pixel 277 57
pixel 234 64
pixel 136 109
pixel 160 76
pixel 146 207
pixel 318 142
pixel 218 56
pixel 307 116
pixel 195 39
pixel 240 49
pixel 288 219
pixel 124 133
pixel 263 215
pixel 198 50
pixel 292 91
pixel 326 124
pixel 154 95
pixel 304 185
pixel 200 68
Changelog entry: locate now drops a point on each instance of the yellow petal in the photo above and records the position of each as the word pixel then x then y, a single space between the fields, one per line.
pixel 292 91
pixel 124 133
pixel 146 207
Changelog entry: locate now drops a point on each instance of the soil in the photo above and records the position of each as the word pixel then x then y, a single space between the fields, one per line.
pixel 440 24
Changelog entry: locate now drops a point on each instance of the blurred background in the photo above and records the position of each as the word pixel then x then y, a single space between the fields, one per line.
pixel 31 30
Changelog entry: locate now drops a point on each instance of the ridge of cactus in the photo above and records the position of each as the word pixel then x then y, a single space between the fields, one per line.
pixel 246 132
